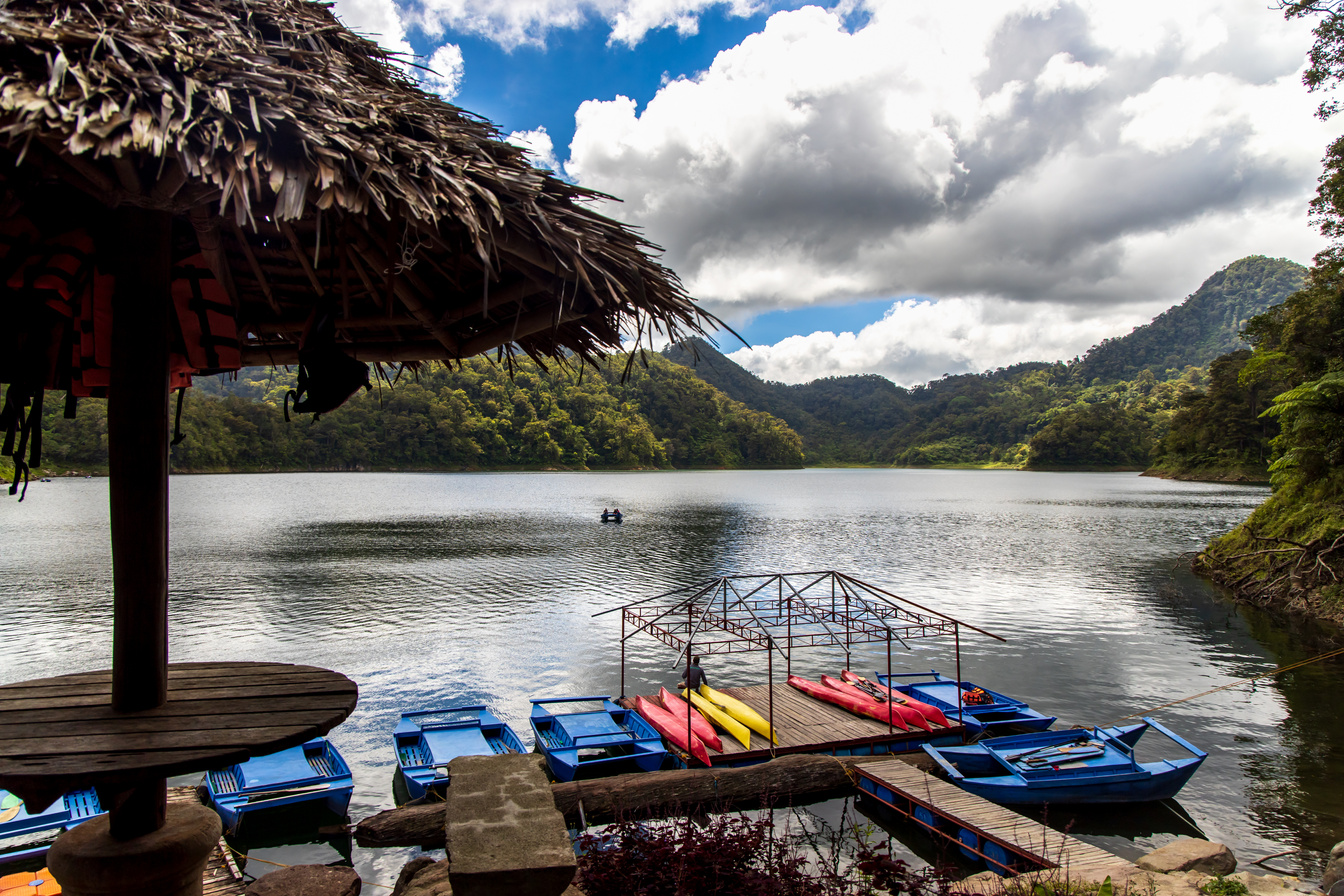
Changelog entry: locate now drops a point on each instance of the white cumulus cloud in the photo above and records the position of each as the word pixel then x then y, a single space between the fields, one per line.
pixel 1081 154
pixel 378 20
pixel 539 146
pixel 445 71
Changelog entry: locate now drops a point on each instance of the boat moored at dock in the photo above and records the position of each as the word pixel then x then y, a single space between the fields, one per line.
pixel 994 714
pixel 313 772
pixel 22 832
pixel 426 741
pixel 1076 765
pixel 590 742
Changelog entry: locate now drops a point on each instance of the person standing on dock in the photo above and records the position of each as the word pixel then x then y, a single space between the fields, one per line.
pixel 694 677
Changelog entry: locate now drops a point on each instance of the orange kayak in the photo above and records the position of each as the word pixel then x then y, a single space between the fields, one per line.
pixel 932 713
pixel 669 727
pixel 908 715
pixel 29 883
pixel 699 724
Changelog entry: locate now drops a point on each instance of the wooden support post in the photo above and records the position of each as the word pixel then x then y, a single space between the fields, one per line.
pixel 137 437
pixel 622 653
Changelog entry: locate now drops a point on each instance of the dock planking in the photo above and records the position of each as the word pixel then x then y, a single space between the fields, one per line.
pixel 1029 844
pixel 222 877
pixel 804 724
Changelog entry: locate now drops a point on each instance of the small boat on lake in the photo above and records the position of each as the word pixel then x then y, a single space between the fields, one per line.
pixel 1076 765
pixel 982 710
pixel 313 772
pixel 612 517
pixel 592 742
pixel 21 831
pixel 428 740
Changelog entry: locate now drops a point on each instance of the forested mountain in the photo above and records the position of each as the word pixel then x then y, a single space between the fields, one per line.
pixel 994 417
pixel 1203 327
pixel 473 417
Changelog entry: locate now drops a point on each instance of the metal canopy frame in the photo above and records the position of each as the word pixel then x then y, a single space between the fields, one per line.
pixel 776 612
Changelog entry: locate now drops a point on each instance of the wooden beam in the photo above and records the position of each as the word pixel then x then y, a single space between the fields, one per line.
pixel 302 256
pixel 270 328
pixel 527 324
pixel 254 264
pixel 398 352
pixel 412 302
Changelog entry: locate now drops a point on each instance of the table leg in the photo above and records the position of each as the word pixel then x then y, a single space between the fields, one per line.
pixel 138 811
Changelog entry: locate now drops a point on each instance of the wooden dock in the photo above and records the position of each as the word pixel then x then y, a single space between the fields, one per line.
pixel 1007 842
pixel 222 877
pixel 804 724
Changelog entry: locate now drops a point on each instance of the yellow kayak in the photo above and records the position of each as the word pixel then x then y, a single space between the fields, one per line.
pixel 721 718
pixel 740 711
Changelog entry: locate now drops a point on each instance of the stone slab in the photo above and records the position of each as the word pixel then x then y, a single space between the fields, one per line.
pixel 1190 854
pixel 1334 869
pixel 307 880
pixel 503 832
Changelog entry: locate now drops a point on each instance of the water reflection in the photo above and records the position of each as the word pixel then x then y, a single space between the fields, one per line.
pixel 439 589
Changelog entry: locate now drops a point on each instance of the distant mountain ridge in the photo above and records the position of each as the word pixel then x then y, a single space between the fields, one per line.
pixel 990 417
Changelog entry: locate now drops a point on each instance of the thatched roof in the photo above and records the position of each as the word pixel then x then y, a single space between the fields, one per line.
pixel 302 162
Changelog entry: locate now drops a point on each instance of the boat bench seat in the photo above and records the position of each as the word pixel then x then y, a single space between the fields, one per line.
pixel 286 768
pixel 448 744
pixel 590 726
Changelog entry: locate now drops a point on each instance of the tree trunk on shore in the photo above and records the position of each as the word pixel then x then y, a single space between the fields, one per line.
pixel 644 794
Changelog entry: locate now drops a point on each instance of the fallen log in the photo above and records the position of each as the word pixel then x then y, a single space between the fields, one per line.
pixel 420 825
pixel 644 794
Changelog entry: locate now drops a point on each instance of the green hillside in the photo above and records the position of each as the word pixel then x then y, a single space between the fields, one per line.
pixel 472 417
pixel 995 418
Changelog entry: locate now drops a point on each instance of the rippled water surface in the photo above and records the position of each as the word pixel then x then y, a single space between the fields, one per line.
pixel 431 589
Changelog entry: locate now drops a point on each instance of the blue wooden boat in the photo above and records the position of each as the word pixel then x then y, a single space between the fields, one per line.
pixel 589 743
pixel 427 741
pixel 1001 715
pixel 313 772
pixel 21 830
pixel 1077 765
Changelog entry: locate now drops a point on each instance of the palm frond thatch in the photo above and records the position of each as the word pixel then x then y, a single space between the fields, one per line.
pixel 304 164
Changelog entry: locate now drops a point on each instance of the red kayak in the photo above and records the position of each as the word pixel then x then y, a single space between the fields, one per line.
pixel 699 724
pixel 907 714
pixel 932 713
pixel 670 728
pixel 862 705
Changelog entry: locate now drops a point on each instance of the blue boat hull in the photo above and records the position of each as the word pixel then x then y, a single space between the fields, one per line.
pixel 1073 766
pixel 1003 715
pixel 72 809
pixel 313 773
pixel 1010 791
pixel 595 743
pixel 425 747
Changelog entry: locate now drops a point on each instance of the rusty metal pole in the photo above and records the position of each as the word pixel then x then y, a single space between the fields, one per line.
pixel 770 671
pixel 689 733
pixel 623 653
pixel 847 629
pixel 889 688
pixel 956 633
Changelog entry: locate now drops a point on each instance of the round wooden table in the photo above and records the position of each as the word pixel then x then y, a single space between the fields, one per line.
pixel 60 734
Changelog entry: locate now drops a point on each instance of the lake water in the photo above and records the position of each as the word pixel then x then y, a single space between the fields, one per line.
pixel 435 589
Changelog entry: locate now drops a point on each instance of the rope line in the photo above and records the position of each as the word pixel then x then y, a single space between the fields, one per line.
pixel 1241 681
pixel 246 858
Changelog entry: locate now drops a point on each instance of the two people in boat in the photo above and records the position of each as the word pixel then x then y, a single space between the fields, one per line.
pixel 694 676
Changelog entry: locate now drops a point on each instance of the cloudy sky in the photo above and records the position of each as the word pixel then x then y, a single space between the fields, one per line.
pixel 898 187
